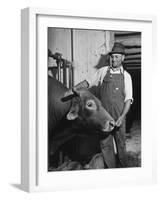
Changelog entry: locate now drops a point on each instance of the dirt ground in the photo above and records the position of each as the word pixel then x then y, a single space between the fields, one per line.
pixel 133 146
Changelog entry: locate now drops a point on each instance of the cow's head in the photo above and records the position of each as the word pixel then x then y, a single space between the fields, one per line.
pixel 88 110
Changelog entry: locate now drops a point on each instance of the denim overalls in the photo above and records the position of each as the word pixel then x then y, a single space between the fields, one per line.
pixel 112 97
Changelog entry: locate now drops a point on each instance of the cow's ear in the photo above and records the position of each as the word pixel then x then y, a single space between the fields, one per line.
pixel 72 115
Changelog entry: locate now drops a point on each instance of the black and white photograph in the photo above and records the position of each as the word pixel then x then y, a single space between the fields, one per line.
pixel 94 99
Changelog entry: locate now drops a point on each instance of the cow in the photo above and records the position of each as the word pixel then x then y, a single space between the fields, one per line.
pixel 81 112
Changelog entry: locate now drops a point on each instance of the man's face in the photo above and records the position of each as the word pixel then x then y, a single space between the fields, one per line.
pixel 117 60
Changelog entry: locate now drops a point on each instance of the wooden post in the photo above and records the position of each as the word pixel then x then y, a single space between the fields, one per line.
pixel 65 72
pixel 59 70
pixel 70 77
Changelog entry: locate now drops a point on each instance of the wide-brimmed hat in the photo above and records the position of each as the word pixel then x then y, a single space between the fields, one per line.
pixel 118 48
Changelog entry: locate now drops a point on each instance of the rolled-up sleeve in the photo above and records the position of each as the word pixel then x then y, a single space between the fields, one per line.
pixel 94 79
pixel 128 87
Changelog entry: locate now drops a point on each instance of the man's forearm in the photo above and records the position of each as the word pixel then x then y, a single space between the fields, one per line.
pixel 126 108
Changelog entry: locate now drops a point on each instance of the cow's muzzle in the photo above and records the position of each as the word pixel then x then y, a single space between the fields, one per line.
pixel 109 126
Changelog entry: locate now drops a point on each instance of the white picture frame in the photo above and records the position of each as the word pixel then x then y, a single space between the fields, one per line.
pixel 33 175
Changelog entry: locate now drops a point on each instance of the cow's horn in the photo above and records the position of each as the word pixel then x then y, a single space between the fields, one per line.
pixel 75 92
pixel 69 95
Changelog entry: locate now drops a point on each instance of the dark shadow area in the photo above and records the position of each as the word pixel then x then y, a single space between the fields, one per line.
pixel 103 61
pixel 135 110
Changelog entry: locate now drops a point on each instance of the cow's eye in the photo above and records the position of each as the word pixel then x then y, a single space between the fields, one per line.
pixel 90 104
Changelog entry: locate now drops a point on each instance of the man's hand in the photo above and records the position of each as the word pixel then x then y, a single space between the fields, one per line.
pixel 119 121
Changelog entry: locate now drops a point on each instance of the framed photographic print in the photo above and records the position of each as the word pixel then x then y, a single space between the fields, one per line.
pixel 87 118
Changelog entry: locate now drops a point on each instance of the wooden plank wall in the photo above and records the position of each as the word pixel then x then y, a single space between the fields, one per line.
pixel 132 43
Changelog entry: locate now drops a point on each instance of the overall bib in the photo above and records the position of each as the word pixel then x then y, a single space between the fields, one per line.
pixel 112 97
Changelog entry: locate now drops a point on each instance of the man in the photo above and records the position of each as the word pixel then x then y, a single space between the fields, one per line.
pixel 114 85
pixel 115 92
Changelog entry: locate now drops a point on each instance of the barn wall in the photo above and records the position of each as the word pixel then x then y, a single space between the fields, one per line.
pixel 132 43
pixel 59 40
pixel 86 48
pixel 89 47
